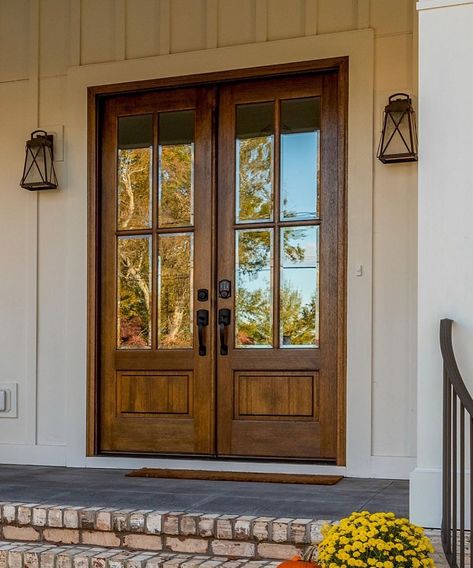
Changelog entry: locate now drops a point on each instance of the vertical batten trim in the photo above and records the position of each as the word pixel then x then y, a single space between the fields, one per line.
pixel 120 30
pixel 164 27
pixel 261 20
pixel 32 231
pixel 310 17
pixel 211 24
pixel 74 14
pixel 362 14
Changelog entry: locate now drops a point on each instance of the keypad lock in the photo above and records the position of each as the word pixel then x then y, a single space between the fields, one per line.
pixel 225 289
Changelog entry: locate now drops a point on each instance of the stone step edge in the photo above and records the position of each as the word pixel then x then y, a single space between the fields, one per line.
pixel 21 555
pixel 119 521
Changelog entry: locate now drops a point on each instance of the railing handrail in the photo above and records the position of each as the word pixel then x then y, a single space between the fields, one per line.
pixel 451 367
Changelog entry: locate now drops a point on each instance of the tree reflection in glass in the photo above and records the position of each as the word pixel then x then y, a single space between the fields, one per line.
pixel 134 293
pixel 299 301
pixel 175 274
pixel 253 304
pixel 134 171
pixel 176 168
pixel 254 161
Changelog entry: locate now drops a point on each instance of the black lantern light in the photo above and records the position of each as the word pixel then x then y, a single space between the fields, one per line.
pixel 38 172
pixel 399 136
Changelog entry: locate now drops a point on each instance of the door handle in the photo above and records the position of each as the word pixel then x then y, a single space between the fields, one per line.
pixel 224 319
pixel 202 321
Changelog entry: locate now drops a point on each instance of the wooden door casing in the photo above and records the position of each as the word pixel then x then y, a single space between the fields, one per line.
pixel 196 432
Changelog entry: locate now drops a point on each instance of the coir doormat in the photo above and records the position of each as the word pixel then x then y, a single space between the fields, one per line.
pixel 304 479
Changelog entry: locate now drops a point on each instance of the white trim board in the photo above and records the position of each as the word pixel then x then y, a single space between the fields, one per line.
pixel 359 47
pixel 435 4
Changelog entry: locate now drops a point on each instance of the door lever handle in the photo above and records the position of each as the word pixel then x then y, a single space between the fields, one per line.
pixel 224 319
pixel 202 321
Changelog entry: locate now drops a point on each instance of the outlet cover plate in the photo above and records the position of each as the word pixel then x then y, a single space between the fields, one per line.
pixel 11 390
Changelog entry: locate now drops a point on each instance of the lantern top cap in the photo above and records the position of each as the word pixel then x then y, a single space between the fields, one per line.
pixel 40 138
pixel 399 102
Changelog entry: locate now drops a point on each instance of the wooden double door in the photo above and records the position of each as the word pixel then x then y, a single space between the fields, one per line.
pixel 220 284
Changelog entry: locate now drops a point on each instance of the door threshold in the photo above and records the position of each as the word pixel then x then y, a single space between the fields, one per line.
pixel 211 464
pixel 206 475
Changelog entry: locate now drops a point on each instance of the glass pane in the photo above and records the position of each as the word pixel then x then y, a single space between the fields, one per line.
pixel 175 272
pixel 299 302
pixel 176 168
pixel 134 292
pixel 134 171
pixel 254 162
pixel 253 276
pixel 300 158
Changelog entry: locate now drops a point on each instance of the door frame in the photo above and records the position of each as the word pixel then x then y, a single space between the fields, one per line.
pixel 95 98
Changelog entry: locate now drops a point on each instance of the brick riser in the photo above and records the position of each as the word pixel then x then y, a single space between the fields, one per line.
pixel 33 555
pixel 258 538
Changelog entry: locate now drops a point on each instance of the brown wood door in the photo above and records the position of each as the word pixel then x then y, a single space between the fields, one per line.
pixel 222 205
pixel 278 246
pixel 157 386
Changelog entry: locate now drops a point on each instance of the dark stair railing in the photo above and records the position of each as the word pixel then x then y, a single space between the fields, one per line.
pixel 457 411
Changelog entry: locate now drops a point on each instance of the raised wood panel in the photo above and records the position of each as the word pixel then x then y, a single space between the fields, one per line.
pixel 286 19
pixel 275 396
pixel 335 16
pixel 54 38
pixel 187 25
pixel 153 393
pixel 236 22
pixel 142 28
pixel 97 31
pixel 14 39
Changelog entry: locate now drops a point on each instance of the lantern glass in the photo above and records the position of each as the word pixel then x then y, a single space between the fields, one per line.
pixel 399 135
pixel 38 171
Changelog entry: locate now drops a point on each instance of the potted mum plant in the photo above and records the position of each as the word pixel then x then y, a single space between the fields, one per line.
pixel 378 540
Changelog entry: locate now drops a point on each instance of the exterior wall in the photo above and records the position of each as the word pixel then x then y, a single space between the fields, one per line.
pixel 43 342
pixel 445 229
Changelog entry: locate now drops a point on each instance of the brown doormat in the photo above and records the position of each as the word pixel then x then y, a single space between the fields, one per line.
pixel 303 478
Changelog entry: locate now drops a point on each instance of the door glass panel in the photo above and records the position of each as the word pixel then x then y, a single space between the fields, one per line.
pixel 300 158
pixel 299 294
pixel 253 276
pixel 135 135
pixel 254 162
pixel 176 168
pixel 175 275
pixel 134 293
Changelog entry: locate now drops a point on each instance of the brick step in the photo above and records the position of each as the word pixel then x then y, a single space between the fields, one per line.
pixel 259 538
pixel 16 554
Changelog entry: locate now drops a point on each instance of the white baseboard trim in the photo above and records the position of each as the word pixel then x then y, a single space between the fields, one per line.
pixel 23 454
pixel 425 497
pixel 392 467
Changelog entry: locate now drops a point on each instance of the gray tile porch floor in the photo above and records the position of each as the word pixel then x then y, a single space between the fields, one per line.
pixel 110 488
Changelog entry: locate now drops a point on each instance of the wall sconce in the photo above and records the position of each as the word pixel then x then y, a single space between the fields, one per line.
pixel 399 135
pixel 38 171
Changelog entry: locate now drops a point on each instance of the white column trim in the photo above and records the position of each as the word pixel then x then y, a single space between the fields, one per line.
pixel 434 4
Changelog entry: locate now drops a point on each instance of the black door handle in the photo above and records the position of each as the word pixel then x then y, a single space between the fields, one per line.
pixel 202 321
pixel 224 319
